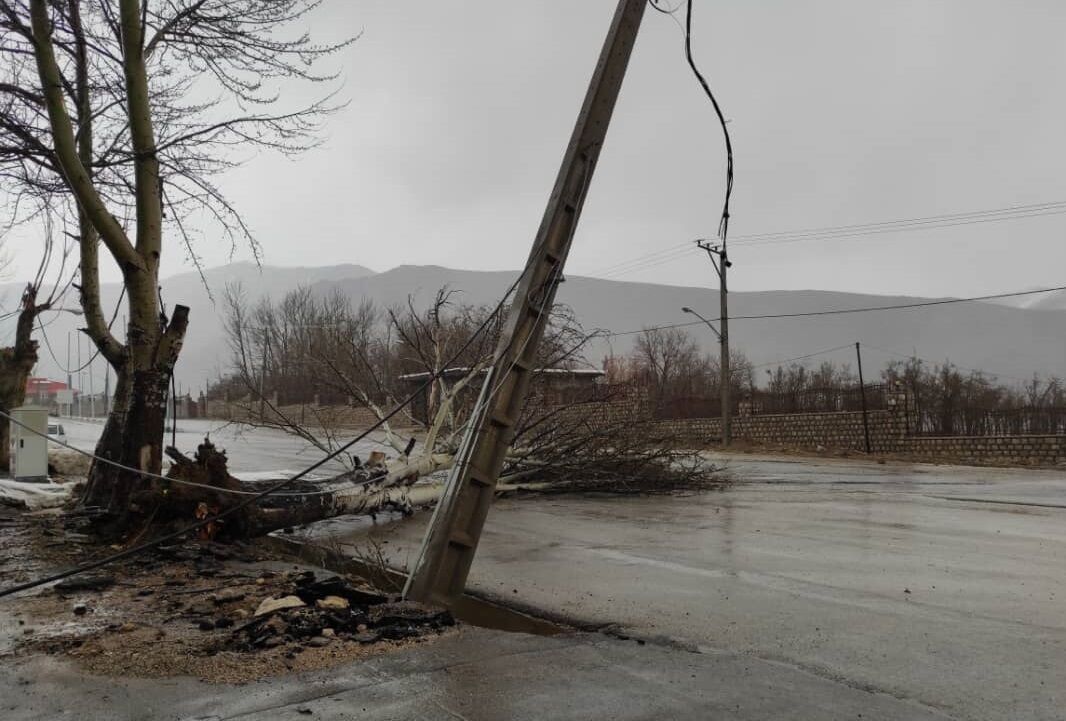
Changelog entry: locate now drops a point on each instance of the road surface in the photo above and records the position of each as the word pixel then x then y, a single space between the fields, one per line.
pixel 936 590
pixel 943 587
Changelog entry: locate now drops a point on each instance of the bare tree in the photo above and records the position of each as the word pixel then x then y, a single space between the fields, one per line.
pixel 126 111
pixel 37 299
pixel 669 362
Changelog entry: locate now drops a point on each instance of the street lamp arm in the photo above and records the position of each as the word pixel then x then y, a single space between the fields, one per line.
pixel 686 309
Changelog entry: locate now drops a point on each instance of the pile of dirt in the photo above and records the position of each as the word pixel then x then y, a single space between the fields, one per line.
pixel 222 613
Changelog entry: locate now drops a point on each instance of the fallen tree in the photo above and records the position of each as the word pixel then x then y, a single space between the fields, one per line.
pixel 576 460
pixel 595 439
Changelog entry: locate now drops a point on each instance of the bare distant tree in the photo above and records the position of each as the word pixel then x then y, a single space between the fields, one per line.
pixel 670 363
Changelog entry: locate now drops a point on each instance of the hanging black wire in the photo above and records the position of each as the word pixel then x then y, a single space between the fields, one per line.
pixel 723 223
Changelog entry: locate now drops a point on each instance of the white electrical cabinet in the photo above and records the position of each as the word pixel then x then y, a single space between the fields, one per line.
pixel 29 444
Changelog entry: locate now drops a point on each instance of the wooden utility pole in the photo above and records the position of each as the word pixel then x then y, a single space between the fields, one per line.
pixel 720 259
pixel 439 574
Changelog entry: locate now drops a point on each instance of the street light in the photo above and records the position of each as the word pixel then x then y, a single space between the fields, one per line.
pixel 723 390
pixel 714 330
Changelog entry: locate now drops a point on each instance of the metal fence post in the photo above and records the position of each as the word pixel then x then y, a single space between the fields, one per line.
pixel 862 394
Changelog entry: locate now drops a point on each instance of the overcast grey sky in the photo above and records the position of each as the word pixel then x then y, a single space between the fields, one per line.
pixel 841 112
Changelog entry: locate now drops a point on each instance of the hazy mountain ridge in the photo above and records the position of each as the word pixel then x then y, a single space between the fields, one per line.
pixel 1004 340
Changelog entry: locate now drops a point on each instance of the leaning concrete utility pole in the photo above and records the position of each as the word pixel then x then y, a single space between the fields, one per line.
pixel 721 266
pixel 439 574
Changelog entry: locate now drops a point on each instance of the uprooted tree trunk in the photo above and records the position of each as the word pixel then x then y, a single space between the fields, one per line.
pixel 592 441
pixel 560 451
pixel 379 487
pixel 365 490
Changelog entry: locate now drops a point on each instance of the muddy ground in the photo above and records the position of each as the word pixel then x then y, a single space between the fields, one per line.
pixel 195 609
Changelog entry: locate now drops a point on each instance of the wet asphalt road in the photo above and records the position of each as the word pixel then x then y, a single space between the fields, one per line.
pixel 250 451
pixel 943 587
pixel 906 591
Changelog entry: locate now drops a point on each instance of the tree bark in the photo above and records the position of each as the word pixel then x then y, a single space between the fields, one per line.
pixel 133 435
pixel 98 487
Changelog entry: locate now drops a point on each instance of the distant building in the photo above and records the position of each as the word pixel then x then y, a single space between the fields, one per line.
pixel 43 391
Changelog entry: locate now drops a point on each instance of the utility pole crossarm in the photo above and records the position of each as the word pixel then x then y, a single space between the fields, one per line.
pixel 439 574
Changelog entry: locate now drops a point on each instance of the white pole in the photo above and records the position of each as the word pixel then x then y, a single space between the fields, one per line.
pixel 79 374
pixel 92 393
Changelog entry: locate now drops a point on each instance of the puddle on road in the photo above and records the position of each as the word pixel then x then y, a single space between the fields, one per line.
pixel 468 609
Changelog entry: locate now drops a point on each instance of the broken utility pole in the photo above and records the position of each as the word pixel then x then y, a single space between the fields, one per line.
pixel 439 574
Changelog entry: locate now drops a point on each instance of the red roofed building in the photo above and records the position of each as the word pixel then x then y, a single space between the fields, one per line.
pixel 42 391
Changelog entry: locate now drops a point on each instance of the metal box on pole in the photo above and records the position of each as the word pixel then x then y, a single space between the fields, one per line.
pixel 29 443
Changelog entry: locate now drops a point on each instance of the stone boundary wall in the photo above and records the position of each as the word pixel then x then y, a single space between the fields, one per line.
pixel 843 430
pixel 1009 450
pixel 623 404
pixel 839 429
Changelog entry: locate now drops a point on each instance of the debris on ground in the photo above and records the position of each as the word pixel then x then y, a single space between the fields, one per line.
pixel 270 605
pixel 68 463
pixel 222 613
pixel 29 496
pixel 85 582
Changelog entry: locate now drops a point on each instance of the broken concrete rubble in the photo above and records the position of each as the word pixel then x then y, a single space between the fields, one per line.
pixel 187 609
pixel 334 603
pixel 270 605
pixel 334 616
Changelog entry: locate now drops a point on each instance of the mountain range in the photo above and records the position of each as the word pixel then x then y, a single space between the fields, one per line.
pixel 1010 339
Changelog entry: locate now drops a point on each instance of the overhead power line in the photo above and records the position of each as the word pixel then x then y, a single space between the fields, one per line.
pixel 837 232
pixel 674 255
pixel 827 351
pixel 881 230
pixel 989 215
pixel 644 258
pixel 844 311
